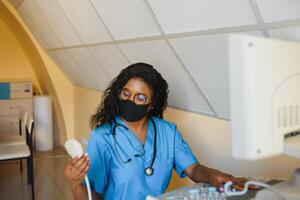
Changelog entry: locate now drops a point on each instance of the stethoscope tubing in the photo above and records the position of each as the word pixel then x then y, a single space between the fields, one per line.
pixel 127 161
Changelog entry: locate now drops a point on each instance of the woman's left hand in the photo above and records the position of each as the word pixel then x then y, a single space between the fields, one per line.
pixel 218 179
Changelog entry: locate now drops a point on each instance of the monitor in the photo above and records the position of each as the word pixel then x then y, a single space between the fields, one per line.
pixel 265 100
pixel 264 96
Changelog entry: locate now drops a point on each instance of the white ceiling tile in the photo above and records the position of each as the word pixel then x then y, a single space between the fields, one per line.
pixel 110 58
pixel 279 10
pixel 290 33
pixel 183 91
pixel 85 20
pixel 129 19
pixel 40 24
pixel 91 67
pixel 59 58
pixel 15 3
pixel 32 27
pixel 192 15
pixel 205 58
pixel 71 68
pixel 59 22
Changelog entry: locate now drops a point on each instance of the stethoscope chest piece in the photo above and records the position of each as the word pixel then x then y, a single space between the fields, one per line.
pixel 149 171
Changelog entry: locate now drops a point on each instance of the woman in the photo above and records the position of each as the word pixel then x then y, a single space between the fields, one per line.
pixel 132 150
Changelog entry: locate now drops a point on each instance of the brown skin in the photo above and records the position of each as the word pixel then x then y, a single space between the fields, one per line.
pixel 76 169
pixel 74 172
pixel 139 128
pixel 201 173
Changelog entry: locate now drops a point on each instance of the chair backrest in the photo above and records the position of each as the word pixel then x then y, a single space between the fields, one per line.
pixel 23 121
pixel 29 132
pixel 24 118
pixel 30 125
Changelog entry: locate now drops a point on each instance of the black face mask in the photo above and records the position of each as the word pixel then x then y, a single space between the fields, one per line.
pixel 132 112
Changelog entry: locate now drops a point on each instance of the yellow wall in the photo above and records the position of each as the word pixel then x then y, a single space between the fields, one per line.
pixel 209 139
pixel 14 64
pixel 45 72
pixel 64 90
pixel 85 103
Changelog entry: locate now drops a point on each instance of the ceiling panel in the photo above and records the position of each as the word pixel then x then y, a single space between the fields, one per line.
pixel 59 58
pixel 90 67
pixel 32 27
pixel 85 20
pixel 193 15
pixel 279 10
pixel 59 22
pixel 71 68
pixel 184 93
pixel 205 57
pixel 40 24
pixel 110 58
pixel 129 19
pixel 290 33
pixel 15 3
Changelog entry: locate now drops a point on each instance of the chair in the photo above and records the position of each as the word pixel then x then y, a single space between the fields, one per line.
pixel 17 139
pixel 22 151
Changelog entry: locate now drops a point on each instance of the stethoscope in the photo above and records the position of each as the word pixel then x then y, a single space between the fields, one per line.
pixel 148 170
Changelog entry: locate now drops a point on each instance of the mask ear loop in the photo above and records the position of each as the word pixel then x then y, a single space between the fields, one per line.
pixel 149 109
pixel 117 105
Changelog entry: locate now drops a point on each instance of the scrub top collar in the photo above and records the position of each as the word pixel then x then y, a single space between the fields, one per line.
pixel 146 149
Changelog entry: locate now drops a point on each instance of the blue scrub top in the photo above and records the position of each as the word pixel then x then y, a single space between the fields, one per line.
pixel 117 180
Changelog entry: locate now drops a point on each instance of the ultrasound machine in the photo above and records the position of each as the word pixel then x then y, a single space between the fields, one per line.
pixel 264 115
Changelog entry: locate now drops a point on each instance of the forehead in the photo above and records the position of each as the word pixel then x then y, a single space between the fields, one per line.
pixel 137 85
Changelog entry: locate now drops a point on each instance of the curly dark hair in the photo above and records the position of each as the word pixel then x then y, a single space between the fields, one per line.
pixel 108 108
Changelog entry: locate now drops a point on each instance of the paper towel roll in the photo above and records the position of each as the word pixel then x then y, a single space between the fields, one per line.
pixel 43 123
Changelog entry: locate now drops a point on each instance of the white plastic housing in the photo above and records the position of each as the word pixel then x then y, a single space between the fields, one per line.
pixel 264 95
pixel 73 148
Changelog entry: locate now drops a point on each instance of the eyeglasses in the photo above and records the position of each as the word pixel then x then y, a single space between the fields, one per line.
pixel 138 98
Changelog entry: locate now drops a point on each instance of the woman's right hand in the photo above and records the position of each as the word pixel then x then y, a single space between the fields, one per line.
pixel 76 169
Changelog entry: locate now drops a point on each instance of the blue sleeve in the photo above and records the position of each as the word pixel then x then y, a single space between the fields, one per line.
pixel 99 161
pixel 183 155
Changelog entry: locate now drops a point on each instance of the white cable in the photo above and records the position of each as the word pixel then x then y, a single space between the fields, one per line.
pixel 74 149
pixel 228 185
pixel 88 187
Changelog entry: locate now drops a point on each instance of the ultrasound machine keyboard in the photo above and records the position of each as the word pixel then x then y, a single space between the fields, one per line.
pixel 202 191
pixel 199 191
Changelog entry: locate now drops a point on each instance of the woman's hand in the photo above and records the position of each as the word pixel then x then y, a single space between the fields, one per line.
pixel 201 173
pixel 218 179
pixel 76 169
